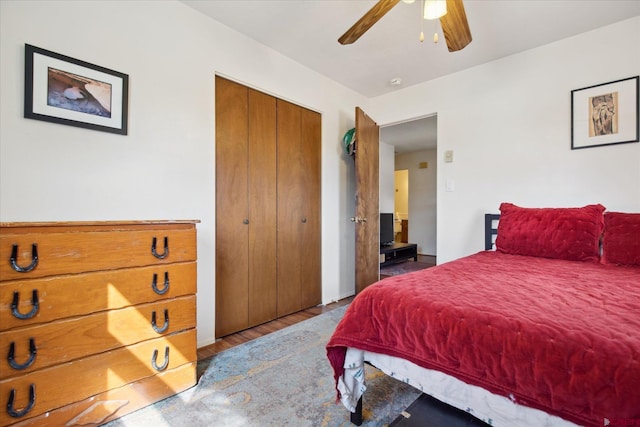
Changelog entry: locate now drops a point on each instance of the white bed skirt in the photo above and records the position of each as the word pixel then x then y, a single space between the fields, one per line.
pixel 493 409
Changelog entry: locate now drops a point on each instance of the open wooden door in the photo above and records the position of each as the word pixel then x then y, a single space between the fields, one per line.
pixel 367 218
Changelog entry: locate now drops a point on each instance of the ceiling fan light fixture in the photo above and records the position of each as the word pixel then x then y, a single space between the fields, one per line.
pixel 434 9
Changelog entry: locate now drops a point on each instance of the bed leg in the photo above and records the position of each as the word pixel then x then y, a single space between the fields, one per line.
pixel 356 417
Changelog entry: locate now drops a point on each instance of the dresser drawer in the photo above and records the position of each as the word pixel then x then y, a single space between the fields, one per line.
pixel 120 401
pixel 25 253
pixel 75 381
pixel 73 295
pixel 40 346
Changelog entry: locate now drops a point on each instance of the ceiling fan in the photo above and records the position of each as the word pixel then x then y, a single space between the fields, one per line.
pixel 454 23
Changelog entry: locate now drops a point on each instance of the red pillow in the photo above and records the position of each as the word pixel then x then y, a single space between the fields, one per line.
pixel 562 233
pixel 621 241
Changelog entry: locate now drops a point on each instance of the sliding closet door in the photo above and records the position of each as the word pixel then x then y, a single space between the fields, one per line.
pixel 245 207
pixel 310 240
pixel 262 208
pixel 232 234
pixel 267 208
pixel 298 239
pixel 290 169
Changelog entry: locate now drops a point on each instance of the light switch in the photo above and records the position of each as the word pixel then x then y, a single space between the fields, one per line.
pixel 448 156
pixel 449 185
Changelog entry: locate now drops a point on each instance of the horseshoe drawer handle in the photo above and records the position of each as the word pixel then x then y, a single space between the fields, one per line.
pixel 154 284
pixel 164 327
pixel 21 413
pixel 166 248
pixel 154 359
pixel 13 260
pixel 12 352
pixel 35 305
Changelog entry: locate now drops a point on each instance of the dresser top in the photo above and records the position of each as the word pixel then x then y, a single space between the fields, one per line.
pixel 77 226
pixel 91 223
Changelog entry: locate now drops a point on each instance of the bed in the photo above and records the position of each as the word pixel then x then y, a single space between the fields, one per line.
pixel 543 331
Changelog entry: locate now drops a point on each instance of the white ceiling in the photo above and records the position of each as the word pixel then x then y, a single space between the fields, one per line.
pixel 307 31
pixel 416 135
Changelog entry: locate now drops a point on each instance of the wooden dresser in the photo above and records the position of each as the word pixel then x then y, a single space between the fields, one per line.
pixel 97 319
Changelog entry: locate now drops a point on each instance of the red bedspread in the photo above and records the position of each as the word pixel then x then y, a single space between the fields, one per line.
pixel 561 336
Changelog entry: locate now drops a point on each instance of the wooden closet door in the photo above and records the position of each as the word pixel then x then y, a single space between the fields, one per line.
pixel 310 240
pixel 299 284
pixel 262 208
pixel 232 233
pixel 290 171
pixel 245 207
pixel 267 208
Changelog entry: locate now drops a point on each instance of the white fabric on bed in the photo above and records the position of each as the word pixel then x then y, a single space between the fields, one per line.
pixel 493 409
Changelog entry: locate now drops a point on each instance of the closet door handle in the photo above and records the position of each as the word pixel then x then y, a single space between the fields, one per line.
pixel 166 248
pixel 154 284
pixel 13 260
pixel 21 413
pixel 34 303
pixel 162 328
pixel 245 222
pixel 304 220
pixel 154 359
pixel 12 352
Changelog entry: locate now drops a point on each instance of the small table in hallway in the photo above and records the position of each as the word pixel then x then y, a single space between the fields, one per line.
pixel 398 252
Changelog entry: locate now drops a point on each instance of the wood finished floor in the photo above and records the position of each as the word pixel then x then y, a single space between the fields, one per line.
pixel 241 337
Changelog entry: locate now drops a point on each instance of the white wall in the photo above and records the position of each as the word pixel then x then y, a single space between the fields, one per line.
pixel 387 189
pixel 508 122
pixel 401 184
pixel 164 168
pixel 422 198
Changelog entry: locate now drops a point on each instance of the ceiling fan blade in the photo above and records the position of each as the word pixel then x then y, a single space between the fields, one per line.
pixel 367 21
pixel 455 26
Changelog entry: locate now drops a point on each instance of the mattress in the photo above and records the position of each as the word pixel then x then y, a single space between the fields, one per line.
pixel 495 410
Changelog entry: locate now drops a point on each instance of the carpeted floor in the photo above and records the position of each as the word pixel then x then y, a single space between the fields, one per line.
pixel 281 379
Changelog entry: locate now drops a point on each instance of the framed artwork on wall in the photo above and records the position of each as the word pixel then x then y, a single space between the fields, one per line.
pixel 605 114
pixel 60 89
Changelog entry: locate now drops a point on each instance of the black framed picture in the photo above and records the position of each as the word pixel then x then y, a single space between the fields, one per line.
pixel 64 90
pixel 605 114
